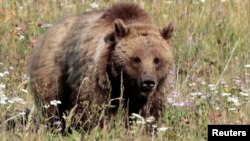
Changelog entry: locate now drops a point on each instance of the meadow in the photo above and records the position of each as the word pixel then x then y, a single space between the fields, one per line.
pixel 210 81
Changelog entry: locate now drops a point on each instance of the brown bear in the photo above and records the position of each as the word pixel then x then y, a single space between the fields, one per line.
pixel 94 61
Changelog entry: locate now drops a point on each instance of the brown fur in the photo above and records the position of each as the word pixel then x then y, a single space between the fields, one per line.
pixel 83 59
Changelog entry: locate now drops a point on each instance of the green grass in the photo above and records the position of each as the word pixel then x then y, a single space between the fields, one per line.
pixel 211 43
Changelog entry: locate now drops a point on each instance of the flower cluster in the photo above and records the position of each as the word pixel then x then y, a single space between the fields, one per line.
pixel 138 121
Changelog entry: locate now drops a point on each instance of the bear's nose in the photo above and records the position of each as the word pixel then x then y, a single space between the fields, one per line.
pixel 147 85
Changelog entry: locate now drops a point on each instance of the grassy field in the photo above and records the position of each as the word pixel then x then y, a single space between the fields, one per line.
pixel 211 76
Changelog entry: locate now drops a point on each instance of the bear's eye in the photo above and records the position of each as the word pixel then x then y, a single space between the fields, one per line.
pixel 156 61
pixel 136 60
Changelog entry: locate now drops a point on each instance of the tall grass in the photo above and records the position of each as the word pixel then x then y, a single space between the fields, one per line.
pixel 211 76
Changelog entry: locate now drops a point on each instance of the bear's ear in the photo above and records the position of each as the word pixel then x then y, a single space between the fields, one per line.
pixel 121 29
pixel 167 31
pixel 110 38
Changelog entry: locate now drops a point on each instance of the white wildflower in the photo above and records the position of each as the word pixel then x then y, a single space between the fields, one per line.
pixel 232 109
pixel 64 116
pixel 17 99
pixel 21 8
pixel 204 97
pixel 138 116
pixel 154 126
pixel 168 1
pixel 150 119
pixel 237 81
pixel 198 93
pixel 192 98
pixel 217 108
pixel 55 102
pixel 46 25
pixel 94 5
pixel 202 1
pixel 178 104
pixel 233 99
pixel 223 82
pixel 18 28
pixel 212 87
pixel 46 106
pixel 203 82
pixel 22 113
pixel 11 101
pixel 25 77
pixel 23 90
pixel 1 74
pixel 162 129
pixel 3 98
pixel 2 86
pixel 6 72
pixel 247 66
pixel 244 94
pixel 192 84
pixel 225 94
pixel 170 100
pixel 237 104
pixel 57 123
pixel 140 122
pixel 21 37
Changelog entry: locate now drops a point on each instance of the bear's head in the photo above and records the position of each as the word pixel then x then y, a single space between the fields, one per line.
pixel 142 53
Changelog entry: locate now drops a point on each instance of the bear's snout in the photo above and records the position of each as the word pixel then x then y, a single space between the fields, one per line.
pixel 147 85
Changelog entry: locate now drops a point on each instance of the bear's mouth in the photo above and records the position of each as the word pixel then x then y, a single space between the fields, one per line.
pixel 144 88
pixel 147 87
pixel 145 92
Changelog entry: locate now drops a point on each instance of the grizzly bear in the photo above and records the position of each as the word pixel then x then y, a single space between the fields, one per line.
pixel 96 61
